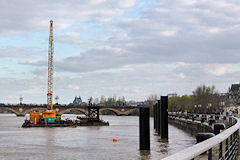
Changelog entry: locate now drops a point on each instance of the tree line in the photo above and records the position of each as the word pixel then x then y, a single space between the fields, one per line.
pixel 204 99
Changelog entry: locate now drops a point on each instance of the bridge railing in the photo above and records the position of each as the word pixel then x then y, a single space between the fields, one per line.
pixel 222 146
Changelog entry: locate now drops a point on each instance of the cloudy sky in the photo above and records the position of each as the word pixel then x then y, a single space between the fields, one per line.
pixel 130 48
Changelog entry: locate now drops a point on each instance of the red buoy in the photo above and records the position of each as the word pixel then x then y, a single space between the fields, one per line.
pixel 114 139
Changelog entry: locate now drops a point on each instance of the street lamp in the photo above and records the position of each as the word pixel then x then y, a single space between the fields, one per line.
pixel 21 99
pixel 195 108
pixel 56 98
pixel 199 106
pixel 209 106
pixel 222 104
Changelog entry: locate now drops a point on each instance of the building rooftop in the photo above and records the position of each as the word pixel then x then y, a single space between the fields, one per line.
pixel 235 87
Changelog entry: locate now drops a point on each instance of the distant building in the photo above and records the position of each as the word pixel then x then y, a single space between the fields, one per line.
pixel 77 100
pixel 172 95
pixel 223 97
pixel 234 94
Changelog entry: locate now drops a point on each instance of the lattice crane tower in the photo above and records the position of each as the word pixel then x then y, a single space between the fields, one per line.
pixel 50 69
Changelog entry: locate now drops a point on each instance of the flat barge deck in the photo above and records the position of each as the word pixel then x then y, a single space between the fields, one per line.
pixel 67 123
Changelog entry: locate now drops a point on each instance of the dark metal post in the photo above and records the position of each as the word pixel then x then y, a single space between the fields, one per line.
pixel 210 154
pixel 220 151
pixel 144 130
pixel 154 116
pixel 98 113
pixel 159 117
pixel 237 139
pixel 156 122
pixel 89 112
pixel 226 149
pixel 164 117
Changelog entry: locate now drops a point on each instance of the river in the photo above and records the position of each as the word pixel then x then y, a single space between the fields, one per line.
pixel 85 143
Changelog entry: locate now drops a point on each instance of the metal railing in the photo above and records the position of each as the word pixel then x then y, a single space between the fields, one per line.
pixel 227 144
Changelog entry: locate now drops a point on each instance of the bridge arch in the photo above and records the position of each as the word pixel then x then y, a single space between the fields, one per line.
pixel 11 109
pixel 116 112
pixel 72 109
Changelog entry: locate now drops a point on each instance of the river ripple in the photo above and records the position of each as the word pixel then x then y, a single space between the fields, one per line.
pixel 85 142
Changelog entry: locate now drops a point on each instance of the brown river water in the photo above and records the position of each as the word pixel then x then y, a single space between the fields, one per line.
pixel 86 143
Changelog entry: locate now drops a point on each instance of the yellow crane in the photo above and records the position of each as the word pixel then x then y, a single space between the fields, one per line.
pixel 50 69
pixel 48 115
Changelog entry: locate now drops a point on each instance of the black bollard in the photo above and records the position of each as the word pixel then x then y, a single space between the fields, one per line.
pixel 203 119
pixel 157 114
pixel 218 127
pixel 164 117
pixel 144 130
pixel 159 117
pixel 211 121
pixel 154 116
pixel 156 119
pixel 203 136
pixel 193 118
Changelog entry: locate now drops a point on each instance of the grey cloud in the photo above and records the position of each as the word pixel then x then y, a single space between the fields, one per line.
pixel 34 63
pixel 136 83
pixel 17 16
pixel 176 32
pixel 202 33
pixel 19 52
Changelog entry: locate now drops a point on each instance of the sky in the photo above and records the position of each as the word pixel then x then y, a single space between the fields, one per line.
pixel 130 48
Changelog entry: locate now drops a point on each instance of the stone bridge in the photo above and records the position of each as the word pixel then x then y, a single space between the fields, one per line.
pixel 23 109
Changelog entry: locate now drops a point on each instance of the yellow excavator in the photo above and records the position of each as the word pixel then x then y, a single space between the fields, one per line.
pixel 48 115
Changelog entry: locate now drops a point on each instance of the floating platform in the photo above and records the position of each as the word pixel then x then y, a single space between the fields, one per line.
pixel 67 123
pixel 91 122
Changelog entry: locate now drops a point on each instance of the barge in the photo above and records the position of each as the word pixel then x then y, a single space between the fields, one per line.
pixel 81 121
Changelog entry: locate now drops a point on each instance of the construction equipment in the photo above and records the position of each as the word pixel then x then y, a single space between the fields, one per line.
pixel 48 115
pixel 50 69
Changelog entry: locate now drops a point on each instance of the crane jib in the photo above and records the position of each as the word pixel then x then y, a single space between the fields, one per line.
pixel 50 68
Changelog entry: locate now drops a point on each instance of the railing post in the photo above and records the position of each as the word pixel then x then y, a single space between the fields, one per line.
pixel 237 139
pixel 210 154
pixel 144 130
pixel 220 151
pixel 228 142
pixel 226 148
